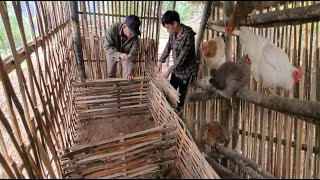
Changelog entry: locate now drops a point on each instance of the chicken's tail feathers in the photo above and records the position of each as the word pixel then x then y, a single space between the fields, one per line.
pixel 213 81
pixel 213 72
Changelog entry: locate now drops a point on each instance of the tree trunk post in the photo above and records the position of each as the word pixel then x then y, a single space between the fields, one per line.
pixel 76 39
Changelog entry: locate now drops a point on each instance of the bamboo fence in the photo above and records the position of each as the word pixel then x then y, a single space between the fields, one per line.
pixel 39 116
pixel 40 110
pixel 102 99
pixel 126 156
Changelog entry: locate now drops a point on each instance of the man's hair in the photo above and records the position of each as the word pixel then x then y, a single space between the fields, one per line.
pixel 169 17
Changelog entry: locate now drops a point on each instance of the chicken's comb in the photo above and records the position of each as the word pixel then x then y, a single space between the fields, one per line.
pixel 300 73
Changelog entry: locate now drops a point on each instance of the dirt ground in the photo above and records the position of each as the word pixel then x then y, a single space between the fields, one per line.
pixel 95 131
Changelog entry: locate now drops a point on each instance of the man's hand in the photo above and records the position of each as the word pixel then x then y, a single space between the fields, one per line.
pixel 129 76
pixel 157 68
pixel 165 74
pixel 124 56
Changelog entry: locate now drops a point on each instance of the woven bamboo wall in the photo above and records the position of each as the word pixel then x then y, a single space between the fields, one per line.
pixel 190 162
pixel 37 116
pixel 102 99
pixel 126 156
pixel 285 146
pixel 140 153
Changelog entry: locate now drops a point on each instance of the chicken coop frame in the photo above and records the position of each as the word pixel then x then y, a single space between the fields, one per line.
pixel 272 136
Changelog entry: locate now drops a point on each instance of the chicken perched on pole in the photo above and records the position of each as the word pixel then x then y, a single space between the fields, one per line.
pixel 213 52
pixel 270 64
pixel 231 76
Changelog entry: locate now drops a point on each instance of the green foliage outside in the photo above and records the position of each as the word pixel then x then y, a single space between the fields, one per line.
pixel 190 14
pixel 5 49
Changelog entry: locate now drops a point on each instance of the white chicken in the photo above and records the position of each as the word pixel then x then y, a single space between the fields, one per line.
pixel 270 64
pixel 213 52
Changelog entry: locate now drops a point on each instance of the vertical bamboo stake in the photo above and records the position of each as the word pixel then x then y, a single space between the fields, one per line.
pixel 270 143
pixel 158 28
pixel 8 159
pixel 56 127
pixel 97 52
pixel 44 48
pixel 103 55
pixel 87 36
pixel 104 17
pixel 6 167
pixel 76 39
pixel 19 147
pixel 5 20
pixel 18 12
pixel 317 96
pixel 100 43
pixel 310 127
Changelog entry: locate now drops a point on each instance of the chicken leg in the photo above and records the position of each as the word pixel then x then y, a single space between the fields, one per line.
pixel 271 92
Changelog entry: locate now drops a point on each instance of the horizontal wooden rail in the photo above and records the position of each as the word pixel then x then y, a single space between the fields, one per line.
pixel 309 111
pixel 280 18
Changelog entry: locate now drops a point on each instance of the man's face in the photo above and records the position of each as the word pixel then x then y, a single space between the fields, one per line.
pixel 127 31
pixel 171 28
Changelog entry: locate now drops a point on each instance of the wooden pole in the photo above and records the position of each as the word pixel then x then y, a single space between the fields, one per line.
pixel 6 167
pixel 204 19
pixel 307 110
pixel 76 39
pixel 247 165
pixel 292 16
pixel 223 172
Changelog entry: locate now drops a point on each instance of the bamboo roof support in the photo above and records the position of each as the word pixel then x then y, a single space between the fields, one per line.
pixel 77 39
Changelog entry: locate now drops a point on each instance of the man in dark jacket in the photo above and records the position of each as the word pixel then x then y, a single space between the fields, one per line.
pixel 122 45
pixel 182 43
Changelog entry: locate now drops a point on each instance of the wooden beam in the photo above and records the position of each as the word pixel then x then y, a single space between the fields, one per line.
pixel 223 172
pixel 293 16
pixel 309 111
pixel 205 16
pixel 199 96
pixel 247 165
pixel 300 108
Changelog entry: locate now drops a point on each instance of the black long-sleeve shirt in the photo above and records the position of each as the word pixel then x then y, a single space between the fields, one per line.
pixel 183 53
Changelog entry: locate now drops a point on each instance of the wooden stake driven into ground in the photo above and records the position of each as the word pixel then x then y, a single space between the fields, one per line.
pixel 77 40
